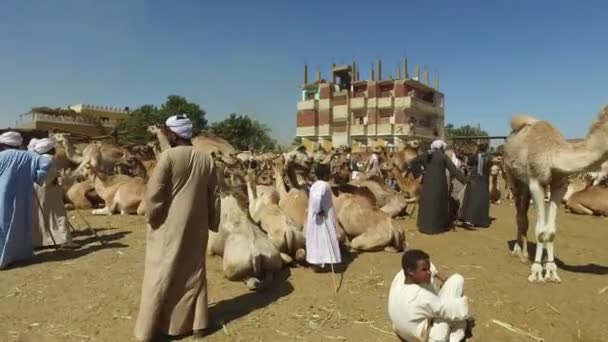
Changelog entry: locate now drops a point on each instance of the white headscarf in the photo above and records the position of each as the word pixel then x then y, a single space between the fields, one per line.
pixel 180 125
pixel 438 145
pixel 13 139
pixel 32 144
pixel 42 146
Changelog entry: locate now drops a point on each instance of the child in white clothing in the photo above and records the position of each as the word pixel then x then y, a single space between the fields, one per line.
pixel 419 310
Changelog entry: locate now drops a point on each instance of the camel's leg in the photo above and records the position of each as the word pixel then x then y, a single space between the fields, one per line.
pixel 557 193
pixel 538 194
pixel 577 208
pixel 103 211
pixel 522 204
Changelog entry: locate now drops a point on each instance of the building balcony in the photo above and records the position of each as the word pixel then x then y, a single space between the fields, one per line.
pixel 425 107
pixel 357 103
pixel 340 113
pixel 31 118
pixel 357 130
pixel 384 129
pixel 307 105
pixel 418 105
pixel 385 102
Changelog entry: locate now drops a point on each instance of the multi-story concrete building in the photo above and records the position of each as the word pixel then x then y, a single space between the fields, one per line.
pixel 80 119
pixel 377 111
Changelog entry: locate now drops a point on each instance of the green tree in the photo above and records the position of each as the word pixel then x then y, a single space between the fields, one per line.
pixel 242 132
pixel 464 131
pixel 179 105
pixel 134 129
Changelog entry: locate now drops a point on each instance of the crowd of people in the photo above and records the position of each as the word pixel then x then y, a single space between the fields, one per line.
pixel 183 205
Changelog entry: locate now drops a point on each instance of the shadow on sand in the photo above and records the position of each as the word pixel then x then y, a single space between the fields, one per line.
pixel 586 269
pixel 89 245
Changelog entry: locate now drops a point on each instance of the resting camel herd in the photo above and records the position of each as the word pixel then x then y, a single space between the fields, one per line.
pixel 264 196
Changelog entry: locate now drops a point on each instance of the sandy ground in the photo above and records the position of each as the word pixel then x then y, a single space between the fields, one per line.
pixel 93 294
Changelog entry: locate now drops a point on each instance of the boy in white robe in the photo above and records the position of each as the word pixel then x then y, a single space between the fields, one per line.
pixel 321 238
pixel 419 310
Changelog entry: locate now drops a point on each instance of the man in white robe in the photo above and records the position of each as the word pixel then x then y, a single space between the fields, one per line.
pixel 51 223
pixel 321 238
pixel 419 310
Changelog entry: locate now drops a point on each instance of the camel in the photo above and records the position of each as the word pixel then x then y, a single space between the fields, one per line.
pixel 99 155
pixel 77 195
pixel 247 253
pixel 119 193
pixel 369 228
pixel 584 198
pixel 131 166
pixel 294 203
pixel 215 146
pixel 536 155
pixel 494 190
pixel 282 231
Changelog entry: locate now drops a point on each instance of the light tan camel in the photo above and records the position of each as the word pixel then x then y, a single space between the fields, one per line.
pixel 78 195
pixel 282 231
pixel 536 156
pixel 583 198
pixel 247 253
pixel 369 228
pixel 102 156
pixel 120 193
pixel 294 203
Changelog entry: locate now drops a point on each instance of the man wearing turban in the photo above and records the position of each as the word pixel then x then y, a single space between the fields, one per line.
pixel 19 170
pixel 433 205
pixel 51 223
pixel 183 204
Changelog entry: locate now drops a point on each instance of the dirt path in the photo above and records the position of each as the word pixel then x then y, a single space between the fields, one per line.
pixel 93 294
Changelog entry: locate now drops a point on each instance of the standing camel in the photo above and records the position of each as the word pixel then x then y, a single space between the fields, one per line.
pixel 536 156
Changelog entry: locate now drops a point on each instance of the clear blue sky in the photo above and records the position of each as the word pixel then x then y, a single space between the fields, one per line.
pixel 548 58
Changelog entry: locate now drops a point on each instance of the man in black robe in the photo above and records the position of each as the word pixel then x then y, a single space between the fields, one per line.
pixel 476 205
pixel 433 210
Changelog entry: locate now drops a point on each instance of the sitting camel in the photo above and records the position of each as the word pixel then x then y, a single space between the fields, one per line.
pixel 369 228
pixel 584 198
pixel 120 193
pixel 78 195
pixel 282 231
pixel 247 253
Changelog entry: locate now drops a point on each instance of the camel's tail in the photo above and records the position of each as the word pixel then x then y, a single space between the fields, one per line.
pixel 520 121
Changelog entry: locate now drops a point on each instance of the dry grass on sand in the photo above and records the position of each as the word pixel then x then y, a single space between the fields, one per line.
pixel 93 294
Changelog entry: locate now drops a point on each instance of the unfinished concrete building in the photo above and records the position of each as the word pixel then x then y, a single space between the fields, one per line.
pixel 385 111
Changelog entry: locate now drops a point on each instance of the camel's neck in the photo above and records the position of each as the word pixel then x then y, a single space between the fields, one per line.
pixel 252 195
pixel 163 141
pixel 583 155
pixel 280 183
pixel 70 152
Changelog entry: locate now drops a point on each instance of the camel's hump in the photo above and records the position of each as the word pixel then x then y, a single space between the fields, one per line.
pixel 519 121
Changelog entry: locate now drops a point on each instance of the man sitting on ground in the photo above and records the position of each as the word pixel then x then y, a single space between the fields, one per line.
pixel 419 310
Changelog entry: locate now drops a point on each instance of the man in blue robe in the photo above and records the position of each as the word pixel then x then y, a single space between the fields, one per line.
pixel 18 171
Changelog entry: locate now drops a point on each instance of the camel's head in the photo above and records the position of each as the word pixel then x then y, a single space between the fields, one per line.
pixel 59 137
pixel 154 129
pixel 413 144
pixel 251 176
pixel 494 170
pixel 278 163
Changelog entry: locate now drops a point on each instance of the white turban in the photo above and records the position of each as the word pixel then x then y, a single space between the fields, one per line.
pixel 32 144
pixel 13 139
pixel 43 146
pixel 438 145
pixel 180 125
